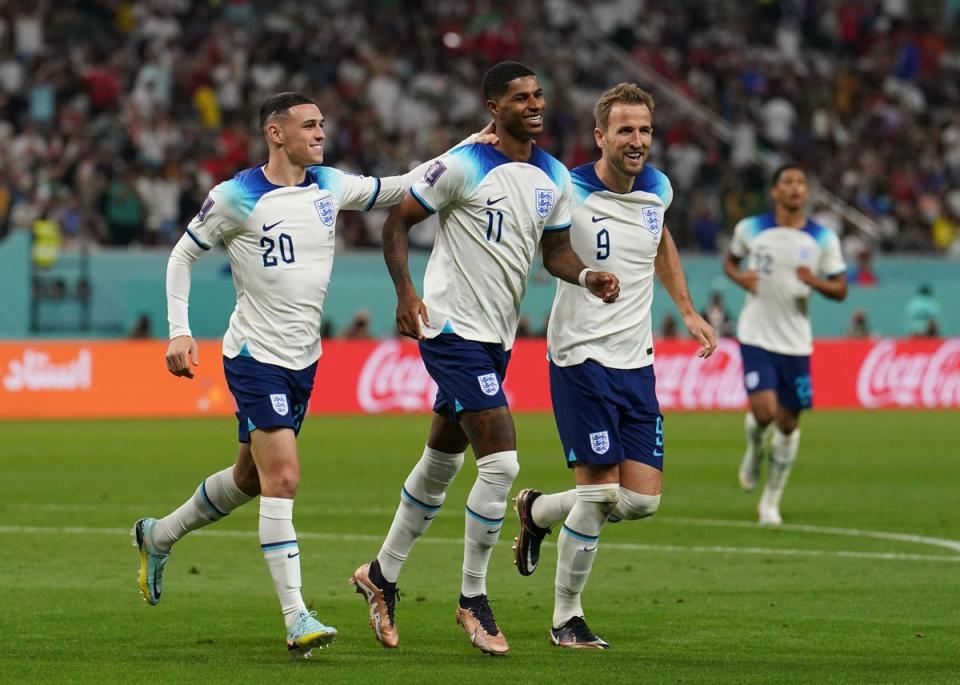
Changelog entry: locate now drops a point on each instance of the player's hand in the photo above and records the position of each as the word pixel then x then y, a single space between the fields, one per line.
pixel 748 281
pixel 703 332
pixel 182 353
pixel 487 135
pixel 604 285
pixel 410 311
pixel 806 275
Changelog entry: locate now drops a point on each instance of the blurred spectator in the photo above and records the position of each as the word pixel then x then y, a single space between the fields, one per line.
pixel 862 94
pixel 359 328
pixel 668 327
pixel 859 327
pixel 141 328
pixel 923 313
pixel 718 316
pixel 523 328
pixel 862 273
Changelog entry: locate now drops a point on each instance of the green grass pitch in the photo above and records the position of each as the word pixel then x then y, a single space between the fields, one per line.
pixel 861 585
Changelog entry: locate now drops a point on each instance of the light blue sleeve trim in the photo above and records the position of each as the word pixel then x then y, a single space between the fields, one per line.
pixel 560 227
pixel 202 245
pixel 423 203
pixel 373 198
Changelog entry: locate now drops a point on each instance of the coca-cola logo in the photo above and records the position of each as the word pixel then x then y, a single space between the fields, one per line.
pixel 394 378
pixel 889 377
pixel 685 381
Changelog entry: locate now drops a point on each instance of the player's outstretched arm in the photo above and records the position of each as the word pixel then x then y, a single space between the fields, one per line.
pixel 396 248
pixel 182 353
pixel 745 279
pixel 561 261
pixel 833 287
pixel 670 272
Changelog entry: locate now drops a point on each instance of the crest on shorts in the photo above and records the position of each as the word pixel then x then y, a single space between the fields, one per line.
pixel 489 383
pixel 651 218
pixel 279 403
pixel 752 379
pixel 600 442
pixel 325 210
pixel 545 199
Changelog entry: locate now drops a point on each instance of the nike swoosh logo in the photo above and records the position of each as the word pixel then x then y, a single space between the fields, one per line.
pixel 267 228
pixel 589 549
pixel 493 202
pixel 291 556
pixel 429 518
pixel 595 219
pixel 491 532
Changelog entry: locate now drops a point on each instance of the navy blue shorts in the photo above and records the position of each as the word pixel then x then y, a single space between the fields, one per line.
pixel 267 395
pixel 469 374
pixel 788 374
pixel 605 416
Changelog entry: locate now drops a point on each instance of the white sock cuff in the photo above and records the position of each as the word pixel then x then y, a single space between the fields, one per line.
pixel 601 493
pixel 278 508
pixel 499 466
pixel 783 447
pixel 634 505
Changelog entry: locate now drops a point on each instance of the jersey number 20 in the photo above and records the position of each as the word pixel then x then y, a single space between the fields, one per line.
pixel 286 249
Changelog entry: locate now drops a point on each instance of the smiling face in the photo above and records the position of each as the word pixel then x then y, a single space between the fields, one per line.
pixel 626 141
pixel 790 191
pixel 519 111
pixel 299 133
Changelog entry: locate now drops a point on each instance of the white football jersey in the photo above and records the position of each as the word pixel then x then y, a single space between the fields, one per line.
pixel 493 212
pixel 777 317
pixel 619 233
pixel 280 241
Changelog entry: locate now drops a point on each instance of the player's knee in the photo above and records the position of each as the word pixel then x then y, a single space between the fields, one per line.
pixel 283 482
pixel 763 416
pixel 634 505
pixel 606 496
pixel 247 479
pixel 499 469
pixel 441 467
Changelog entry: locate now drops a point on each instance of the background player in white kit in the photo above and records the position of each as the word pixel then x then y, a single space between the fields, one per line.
pixel 788 257
pixel 601 358
pixel 277 223
pixel 496 205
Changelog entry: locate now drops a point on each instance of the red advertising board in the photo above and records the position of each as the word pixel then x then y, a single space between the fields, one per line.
pixel 90 379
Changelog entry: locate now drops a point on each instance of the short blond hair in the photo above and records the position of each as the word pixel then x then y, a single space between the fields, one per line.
pixel 622 93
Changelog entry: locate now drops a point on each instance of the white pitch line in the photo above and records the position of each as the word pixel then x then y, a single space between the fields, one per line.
pixel 625 546
pixel 803 528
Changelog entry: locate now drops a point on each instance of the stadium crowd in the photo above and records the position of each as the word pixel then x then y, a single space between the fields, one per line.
pixel 118 116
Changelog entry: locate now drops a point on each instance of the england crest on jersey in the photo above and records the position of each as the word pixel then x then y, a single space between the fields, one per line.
pixel 600 442
pixel 651 218
pixel 489 383
pixel 279 402
pixel 545 198
pixel 325 210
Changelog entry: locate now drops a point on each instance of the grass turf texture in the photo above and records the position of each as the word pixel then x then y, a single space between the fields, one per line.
pixel 688 596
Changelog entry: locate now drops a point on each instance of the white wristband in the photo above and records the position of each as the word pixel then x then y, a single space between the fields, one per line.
pixel 582 278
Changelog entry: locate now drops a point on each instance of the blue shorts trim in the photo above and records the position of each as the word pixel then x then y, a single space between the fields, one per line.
pixel 605 416
pixel 267 395
pixel 788 375
pixel 469 374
